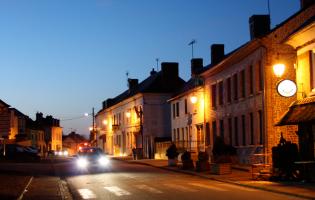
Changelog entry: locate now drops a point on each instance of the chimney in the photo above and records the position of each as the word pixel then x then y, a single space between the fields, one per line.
pixel 196 65
pixel 39 116
pixel 306 3
pixel 132 83
pixel 259 25
pixel 217 53
pixel 153 72
pixel 169 71
pixel 108 103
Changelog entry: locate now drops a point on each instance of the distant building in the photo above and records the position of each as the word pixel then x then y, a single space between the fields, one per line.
pixel 140 115
pixel 52 129
pixel 12 122
pixel 72 142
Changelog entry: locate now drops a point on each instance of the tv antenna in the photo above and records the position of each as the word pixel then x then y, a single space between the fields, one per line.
pixel 127 75
pixel 192 47
pixel 157 64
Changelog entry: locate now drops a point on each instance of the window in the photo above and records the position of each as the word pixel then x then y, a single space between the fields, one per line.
pixel 177 109
pixel 251 128
pixel 207 142
pixel 235 81
pixel 229 90
pixel 243 130
pixel 222 129
pixel 312 69
pixel 186 109
pixel 243 84
pixel 260 116
pixel 260 76
pixel 174 135
pixel 174 111
pixel 177 135
pixel 183 134
pixel 214 95
pixel 214 129
pixel 221 93
pixel 236 131
pixel 251 79
pixel 230 130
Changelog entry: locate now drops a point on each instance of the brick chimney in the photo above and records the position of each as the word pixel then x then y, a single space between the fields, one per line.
pixel 259 25
pixel 196 66
pixel 306 3
pixel 169 72
pixel 217 53
pixel 132 83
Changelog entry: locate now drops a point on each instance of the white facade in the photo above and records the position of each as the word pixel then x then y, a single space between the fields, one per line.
pixel 119 125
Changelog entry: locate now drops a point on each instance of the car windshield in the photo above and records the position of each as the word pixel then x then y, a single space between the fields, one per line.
pixel 90 151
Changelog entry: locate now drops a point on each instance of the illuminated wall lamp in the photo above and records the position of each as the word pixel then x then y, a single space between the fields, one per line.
pixel 278 69
pixel 128 114
pixel 193 99
pixel 105 122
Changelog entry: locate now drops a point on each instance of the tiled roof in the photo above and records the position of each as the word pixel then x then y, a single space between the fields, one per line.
pixel 301 111
pixel 152 84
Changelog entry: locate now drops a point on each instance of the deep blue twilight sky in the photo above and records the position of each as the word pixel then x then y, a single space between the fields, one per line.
pixel 64 57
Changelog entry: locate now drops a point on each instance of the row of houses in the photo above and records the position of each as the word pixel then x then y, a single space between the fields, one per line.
pixel 251 97
pixel 44 133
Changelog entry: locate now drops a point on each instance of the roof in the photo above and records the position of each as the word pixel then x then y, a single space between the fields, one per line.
pixel 300 111
pixel 4 103
pixel 153 84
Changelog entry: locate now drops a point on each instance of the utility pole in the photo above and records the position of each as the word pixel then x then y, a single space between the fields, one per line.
pixel 93 126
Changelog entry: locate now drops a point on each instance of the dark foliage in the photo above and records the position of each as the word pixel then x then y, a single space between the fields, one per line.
pixel 171 151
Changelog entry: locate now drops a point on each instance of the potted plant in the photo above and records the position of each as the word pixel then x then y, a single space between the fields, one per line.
pixel 203 164
pixel 187 162
pixel 222 157
pixel 172 154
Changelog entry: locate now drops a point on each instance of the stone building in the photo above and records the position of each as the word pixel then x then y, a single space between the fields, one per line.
pixel 140 115
pixel 241 89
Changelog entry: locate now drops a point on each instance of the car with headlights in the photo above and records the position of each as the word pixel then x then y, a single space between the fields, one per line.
pixel 91 158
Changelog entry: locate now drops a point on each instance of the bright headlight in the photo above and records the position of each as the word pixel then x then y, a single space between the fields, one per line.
pixel 103 161
pixel 82 162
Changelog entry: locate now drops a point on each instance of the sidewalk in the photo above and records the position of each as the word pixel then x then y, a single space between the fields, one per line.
pixel 241 175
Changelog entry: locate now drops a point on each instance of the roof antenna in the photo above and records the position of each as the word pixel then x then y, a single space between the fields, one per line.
pixel 157 64
pixel 127 75
pixel 192 47
pixel 268 7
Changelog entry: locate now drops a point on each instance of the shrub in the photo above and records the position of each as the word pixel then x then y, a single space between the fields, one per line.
pixel 171 151
pixel 222 152
pixel 186 156
pixel 203 156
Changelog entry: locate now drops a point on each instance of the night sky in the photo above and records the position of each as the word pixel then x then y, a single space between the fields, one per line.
pixel 64 57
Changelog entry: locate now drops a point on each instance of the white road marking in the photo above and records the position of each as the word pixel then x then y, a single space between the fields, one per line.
pixel 148 188
pixel 180 187
pixel 211 187
pixel 117 191
pixel 87 194
pixel 238 187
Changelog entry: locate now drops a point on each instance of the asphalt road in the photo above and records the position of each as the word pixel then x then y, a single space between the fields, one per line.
pixel 133 181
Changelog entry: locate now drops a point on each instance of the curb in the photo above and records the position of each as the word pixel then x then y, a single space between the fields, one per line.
pixel 220 180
